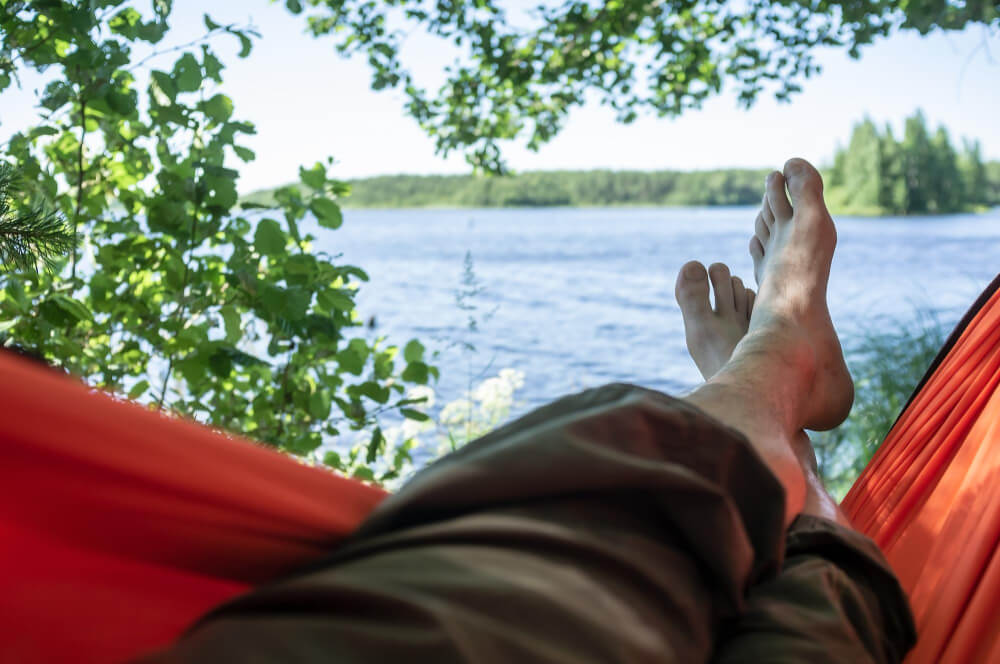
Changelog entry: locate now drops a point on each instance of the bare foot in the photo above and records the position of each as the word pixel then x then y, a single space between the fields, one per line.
pixel 792 249
pixel 712 334
pixel 788 371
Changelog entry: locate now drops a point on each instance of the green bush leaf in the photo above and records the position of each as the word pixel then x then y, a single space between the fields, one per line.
pixel 162 88
pixel 314 177
pixel 415 415
pixel 334 299
pixel 333 460
pixel 327 213
pixel 319 404
pixel 218 108
pixel 233 323
pixel 269 239
pixel 246 154
pixel 187 73
pixel 376 445
pixel 414 351
pixel 416 372
pixel 138 389
pixel 74 310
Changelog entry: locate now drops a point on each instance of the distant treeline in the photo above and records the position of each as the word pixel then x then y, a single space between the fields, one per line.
pixel 875 174
pixel 919 174
pixel 547 188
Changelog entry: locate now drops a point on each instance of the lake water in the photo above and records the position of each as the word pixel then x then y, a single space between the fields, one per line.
pixel 582 297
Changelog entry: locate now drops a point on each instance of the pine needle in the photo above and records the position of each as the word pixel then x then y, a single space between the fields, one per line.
pixel 30 235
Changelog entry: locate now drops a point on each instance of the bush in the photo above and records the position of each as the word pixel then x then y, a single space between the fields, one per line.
pixel 887 363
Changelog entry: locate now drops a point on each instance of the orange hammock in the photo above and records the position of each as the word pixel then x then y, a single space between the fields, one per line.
pixel 120 526
pixel 930 498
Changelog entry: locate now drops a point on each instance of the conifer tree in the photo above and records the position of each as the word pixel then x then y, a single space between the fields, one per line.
pixel 29 233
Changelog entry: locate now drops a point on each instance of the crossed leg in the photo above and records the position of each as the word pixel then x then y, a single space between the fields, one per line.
pixel 772 361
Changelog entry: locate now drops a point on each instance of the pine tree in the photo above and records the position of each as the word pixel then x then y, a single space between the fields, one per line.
pixel 892 194
pixel 973 172
pixel 918 165
pixel 30 233
pixel 862 166
pixel 946 187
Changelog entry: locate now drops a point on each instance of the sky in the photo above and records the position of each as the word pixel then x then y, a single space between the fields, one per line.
pixel 309 103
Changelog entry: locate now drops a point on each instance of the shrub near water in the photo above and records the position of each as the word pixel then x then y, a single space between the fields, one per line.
pixel 886 363
pixel 170 293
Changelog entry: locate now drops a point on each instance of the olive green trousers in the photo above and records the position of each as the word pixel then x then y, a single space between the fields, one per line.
pixel 615 525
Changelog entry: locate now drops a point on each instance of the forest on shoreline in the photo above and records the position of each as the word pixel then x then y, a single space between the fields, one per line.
pixel 875 174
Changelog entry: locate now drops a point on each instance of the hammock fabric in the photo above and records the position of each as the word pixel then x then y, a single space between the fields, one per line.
pixel 930 498
pixel 120 526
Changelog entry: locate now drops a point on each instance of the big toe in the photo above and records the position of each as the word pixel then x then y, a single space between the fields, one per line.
pixel 692 291
pixel 805 184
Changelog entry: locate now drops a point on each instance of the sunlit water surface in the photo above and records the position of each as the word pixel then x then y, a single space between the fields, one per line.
pixel 582 297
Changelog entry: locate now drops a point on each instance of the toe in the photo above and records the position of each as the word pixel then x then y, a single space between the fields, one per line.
pixel 761 229
pixel 722 284
pixel 804 182
pixel 765 212
pixel 776 198
pixel 739 296
pixel 757 253
pixel 751 297
pixel 691 292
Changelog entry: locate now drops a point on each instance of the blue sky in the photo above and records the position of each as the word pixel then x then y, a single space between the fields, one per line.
pixel 309 103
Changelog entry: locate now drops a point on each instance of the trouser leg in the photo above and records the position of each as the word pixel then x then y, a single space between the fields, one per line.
pixel 617 525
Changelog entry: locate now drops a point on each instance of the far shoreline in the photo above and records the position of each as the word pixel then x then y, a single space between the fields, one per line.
pixel 837 212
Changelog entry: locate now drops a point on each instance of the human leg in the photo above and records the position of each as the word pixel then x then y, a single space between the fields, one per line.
pixel 787 373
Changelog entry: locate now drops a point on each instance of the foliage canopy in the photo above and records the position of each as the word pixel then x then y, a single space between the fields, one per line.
pixel 519 73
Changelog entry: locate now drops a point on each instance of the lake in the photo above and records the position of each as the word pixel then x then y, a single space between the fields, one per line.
pixel 575 298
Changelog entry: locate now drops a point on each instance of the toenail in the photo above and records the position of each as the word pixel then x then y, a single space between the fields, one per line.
pixel 692 273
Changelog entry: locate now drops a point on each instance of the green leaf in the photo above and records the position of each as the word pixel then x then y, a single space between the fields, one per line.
pixel 246 154
pixel 416 372
pixel 294 6
pixel 414 351
pixel 376 445
pixel 138 389
pixel 162 88
pixel 327 213
pixel 416 415
pixel 209 23
pixel 314 177
pixel 124 22
pixel 76 310
pixel 187 73
pixel 333 460
pixel 364 473
pixel 245 44
pixel 352 359
pixel 269 239
pixel 218 108
pixel 213 66
pixel 233 323
pixel 373 391
pixel 42 131
pixel 304 444
pixel 319 404
pixel 333 299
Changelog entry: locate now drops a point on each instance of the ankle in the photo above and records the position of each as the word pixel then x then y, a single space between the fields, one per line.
pixel 737 404
pixel 818 501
